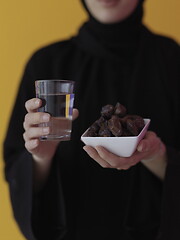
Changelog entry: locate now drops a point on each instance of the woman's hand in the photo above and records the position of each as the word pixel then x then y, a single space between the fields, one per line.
pixel 39 149
pixel 151 152
pixel 42 151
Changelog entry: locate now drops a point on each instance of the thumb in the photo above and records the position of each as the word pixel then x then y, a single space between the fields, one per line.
pixel 143 146
pixel 75 113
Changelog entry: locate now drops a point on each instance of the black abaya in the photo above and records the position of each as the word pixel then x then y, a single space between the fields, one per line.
pixel 81 200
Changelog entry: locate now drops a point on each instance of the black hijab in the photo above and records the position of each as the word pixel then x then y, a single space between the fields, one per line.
pixel 121 37
pixel 119 43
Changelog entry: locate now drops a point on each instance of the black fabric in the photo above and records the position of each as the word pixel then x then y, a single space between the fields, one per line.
pixel 81 200
pixel 119 38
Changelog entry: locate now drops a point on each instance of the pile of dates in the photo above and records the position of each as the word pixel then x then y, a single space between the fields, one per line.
pixel 115 122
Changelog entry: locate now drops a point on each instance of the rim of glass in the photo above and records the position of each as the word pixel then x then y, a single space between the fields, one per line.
pixel 54 80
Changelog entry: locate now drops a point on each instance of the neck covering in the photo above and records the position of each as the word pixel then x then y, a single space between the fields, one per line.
pixel 120 36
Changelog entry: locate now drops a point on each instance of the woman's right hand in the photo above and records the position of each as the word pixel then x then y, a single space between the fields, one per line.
pixel 42 151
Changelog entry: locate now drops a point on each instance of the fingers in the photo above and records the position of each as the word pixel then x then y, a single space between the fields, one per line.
pixel 151 147
pixel 37 124
pixel 147 148
pixel 75 113
pixel 35 132
pixel 120 163
pixel 112 159
pixel 107 159
pixel 35 118
pixel 150 142
pixel 31 145
pixel 32 121
pixel 94 154
pixel 33 104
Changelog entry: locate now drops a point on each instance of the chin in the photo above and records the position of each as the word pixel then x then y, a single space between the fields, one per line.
pixel 111 11
pixel 109 18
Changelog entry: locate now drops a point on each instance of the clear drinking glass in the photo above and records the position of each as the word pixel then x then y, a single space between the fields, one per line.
pixel 57 99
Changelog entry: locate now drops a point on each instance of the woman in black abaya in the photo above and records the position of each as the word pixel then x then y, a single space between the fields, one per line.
pixel 58 191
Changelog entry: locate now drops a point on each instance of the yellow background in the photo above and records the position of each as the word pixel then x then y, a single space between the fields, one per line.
pixel 27 25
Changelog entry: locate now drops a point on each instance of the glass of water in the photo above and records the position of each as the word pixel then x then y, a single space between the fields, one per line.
pixel 57 99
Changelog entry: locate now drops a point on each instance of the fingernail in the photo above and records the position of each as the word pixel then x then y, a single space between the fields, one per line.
pixel 45 130
pixel 37 102
pixel 34 143
pixel 84 148
pixel 99 148
pixel 45 118
pixel 140 148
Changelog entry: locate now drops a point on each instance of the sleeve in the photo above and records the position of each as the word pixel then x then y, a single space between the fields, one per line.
pixel 171 194
pixel 38 217
pixel 171 201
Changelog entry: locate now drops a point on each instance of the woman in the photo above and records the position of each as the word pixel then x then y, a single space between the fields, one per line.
pixel 57 189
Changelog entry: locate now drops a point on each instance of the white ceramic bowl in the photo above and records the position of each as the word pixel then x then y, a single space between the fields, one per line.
pixel 121 146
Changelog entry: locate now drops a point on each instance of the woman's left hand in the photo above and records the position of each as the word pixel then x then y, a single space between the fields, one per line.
pixel 150 150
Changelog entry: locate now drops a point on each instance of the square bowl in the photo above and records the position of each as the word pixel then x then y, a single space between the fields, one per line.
pixel 121 146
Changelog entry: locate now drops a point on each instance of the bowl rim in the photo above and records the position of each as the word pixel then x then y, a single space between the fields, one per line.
pixel 147 122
